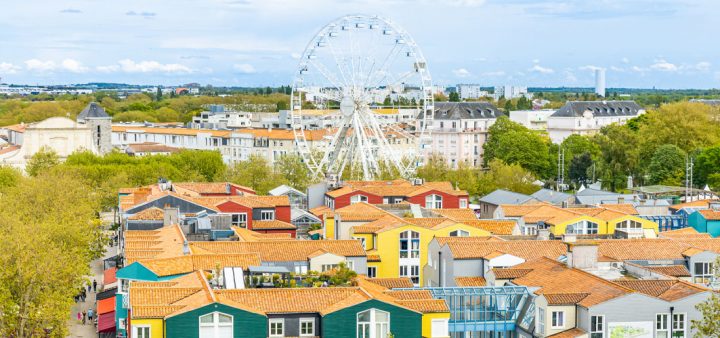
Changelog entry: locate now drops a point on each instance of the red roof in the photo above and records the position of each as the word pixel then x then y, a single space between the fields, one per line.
pixel 106 322
pixel 106 305
pixel 109 276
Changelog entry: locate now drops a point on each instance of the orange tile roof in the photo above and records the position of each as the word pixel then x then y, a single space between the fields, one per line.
pixel 170 131
pixel 162 243
pixel 647 248
pixel 705 244
pixel 109 276
pixel 511 210
pixel 360 212
pixel 625 208
pixel 572 333
pixel 272 225
pixel 409 294
pixel 20 128
pixel 278 251
pixel 565 298
pixel 154 311
pixel 152 147
pixel 277 201
pixel 669 290
pixel 205 187
pixel 710 215
pixel 294 300
pixel 189 263
pixel 246 235
pixel 416 300
pixel 553 277
pixel 670 270
pixel 284 134
pixel 322 210
pixel 425 305
pixel 457 214
pixel 493 226
pixel 469 248
pixel 392 283
pixel 688 232
pixel 510 273
pixel 149 214
pixel 693 204
pixel 470 281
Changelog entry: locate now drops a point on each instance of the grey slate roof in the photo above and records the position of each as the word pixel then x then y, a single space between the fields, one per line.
pixel 93 111
pixel 501 196
pixel 465 110
pixel 708 102
pixel 551 196
pixel 284 189
pixel 598 108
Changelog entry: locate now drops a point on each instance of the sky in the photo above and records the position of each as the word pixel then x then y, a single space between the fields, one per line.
pixel 547 43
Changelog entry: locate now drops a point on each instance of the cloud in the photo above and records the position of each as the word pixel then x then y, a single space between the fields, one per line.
pixel 461 72
pixel 540 69
pixel 8 68
pixel 590 68
pixel 703 66
pixel 496 73
pixel 295 55
pixel 146 15
pixel 71 11
pixel 107 69
pixel 570 77
pixel 467 3
pixel 625 60
pixel 40 66
pixel 73 66
pixel 617 69
pixel 638 69
pixel 664 66
pixel 244 68
pixel 130 66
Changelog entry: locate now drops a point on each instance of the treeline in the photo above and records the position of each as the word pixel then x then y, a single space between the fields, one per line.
pixel 150 107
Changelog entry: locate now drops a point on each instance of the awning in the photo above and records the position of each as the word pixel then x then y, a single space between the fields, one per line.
pixel 268 269
pixel 106 305
pixel 109 291
pixel 109 276
pixel 106 322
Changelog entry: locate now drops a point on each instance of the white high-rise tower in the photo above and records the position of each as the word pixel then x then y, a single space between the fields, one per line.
pixel 600 82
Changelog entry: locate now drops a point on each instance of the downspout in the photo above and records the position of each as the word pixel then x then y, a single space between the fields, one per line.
pixel 670 320
pixel 440 276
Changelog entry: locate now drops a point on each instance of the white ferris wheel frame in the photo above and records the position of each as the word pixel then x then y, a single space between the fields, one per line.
pixel 360 137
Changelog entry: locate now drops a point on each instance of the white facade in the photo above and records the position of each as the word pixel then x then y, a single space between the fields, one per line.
pixel 470 91
pixel 218 118
pixel 600 82
pixel 511 92
pixel 532 119
pixel 587 118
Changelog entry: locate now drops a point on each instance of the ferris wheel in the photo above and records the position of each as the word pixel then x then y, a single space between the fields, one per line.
pixel 363 80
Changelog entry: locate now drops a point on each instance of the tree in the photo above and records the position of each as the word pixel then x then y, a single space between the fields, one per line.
pixel 506 176
pixel 158 94
pixel 454 97
pixel 42 161
pixel 255 173
pixel 579 166
pixel 515 144
pixel 667 165
pixel 618 154
pixel 292 168
pixel 49 237
pixel 709 325
pixel 9 177
pixel 707 167
pixel 434 169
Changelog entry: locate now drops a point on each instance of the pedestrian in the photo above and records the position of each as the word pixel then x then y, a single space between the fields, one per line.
pixel 89 288
pixel 90 315
pixel 94 285
pixel 79 316
pixel 83 314
pixel 83 295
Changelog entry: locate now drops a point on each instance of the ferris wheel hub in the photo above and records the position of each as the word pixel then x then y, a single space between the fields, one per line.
pixel 347 105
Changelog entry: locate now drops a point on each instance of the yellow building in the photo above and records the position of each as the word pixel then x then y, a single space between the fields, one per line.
pixel 397 247
pixel 581 221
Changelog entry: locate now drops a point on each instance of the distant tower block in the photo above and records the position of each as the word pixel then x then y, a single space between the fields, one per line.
pixel 600 82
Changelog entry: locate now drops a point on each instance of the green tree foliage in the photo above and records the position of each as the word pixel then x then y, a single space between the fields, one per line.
pixel 709 325
pixel 579 167
pixel 255 173
pixel 454 97
pixel 707 167
pixel 514 144
pixel 511 177
pixel 667 165
pixel 42 161
pixel 48 238
pixel 434 169
pixel 619 155
pixel 9 177
pixel 294 170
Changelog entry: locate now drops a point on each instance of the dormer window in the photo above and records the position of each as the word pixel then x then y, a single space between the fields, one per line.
pixel 358 199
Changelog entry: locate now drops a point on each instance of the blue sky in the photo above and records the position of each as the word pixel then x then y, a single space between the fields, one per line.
pixel 641 43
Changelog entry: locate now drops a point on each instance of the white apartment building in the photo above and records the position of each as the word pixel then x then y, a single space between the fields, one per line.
pixel 532 119
pixel 470 91
pixel 511 92
pixel 219 118
pixel 587 117
pixel 460 130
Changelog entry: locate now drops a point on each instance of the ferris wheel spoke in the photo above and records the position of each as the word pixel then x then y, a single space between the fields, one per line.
pixel 337 61
pixel 328 76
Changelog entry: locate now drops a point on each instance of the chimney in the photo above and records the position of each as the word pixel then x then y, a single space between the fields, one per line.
pixel 186 248
pixel 621 200
pixel 582 256
pixel 171 216
pixel 564 204
pixel 543 234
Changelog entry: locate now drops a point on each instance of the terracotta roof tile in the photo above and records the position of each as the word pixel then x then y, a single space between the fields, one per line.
pixel 470 281
pixel 495 227
pixel 322 210
pixel 277 251
pixel 625 208
pixel 272 225
pixel 154 311
pixel 710 215
pixel 688 232
pixel 470 248
pixel 392 283
pixel 457 214
pixel 245 235
pixel 295 300
pixel 669 290
pixel 188 263
pixel 425 305
pixel 649 248
pixel 409 294
pixel 149 214
pixel 671 270
pixel 360 212
pixel 510 273
pixel 572 333
pixel 693 204
pixel 565 298
pixel 705 244
pixel 161 243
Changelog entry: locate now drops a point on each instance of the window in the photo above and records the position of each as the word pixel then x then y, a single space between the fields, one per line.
pixel 597 326
pixel 661 325
pixel 328 267
pixel 386 200
pixel 541 320
pixel 703 272
pixel 459 233
pixel 362 241
pixel 358 199
pixel 463 203
pixel 411 271
pixel 372 271
pixel 239 219
pixel 267 215
pixel 628 225
pixel 678 325
pixel 373 323
pixel 307 327
pixel 439 327
pixel 558 320
pixel 409 244
pixel 582 228
pixel 433 202
pixel 216 325
pixel 142 332
pixel 277 327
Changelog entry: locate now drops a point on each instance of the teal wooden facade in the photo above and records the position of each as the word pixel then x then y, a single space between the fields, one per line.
pixel 245 324
pixel 701 224
pixel 343 323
